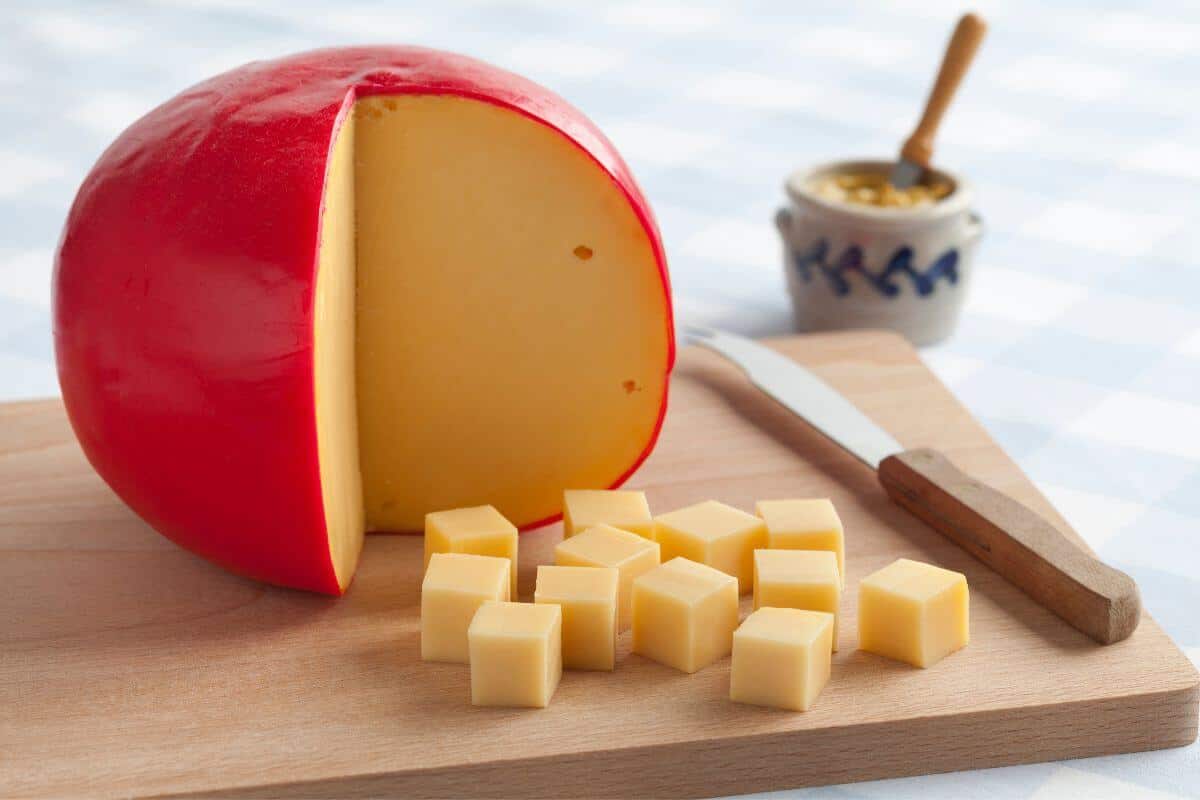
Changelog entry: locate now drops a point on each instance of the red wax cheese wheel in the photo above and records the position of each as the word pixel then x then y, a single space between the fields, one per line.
pixel 327 294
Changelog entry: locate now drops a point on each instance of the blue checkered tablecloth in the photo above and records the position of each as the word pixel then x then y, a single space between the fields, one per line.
pixel 1080 127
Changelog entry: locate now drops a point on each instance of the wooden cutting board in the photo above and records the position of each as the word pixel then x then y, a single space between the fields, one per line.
pixel 129 667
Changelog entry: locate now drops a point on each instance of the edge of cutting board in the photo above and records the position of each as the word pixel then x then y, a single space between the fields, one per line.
pixel 742 765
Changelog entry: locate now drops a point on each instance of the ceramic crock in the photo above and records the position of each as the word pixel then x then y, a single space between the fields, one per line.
pixel 861 266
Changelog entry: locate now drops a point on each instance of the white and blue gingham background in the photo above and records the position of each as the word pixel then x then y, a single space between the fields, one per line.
pixel 1080 126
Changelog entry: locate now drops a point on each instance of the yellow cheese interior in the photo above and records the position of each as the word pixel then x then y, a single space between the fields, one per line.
pixel 454 587
pixel 491 325
pixel 333 363
pixel 515 654
pixel 781 658
pixel 715 534
pixel 481 530
pixel 807 579
pixel 606 546
pixel 495 364
pixel 588 599
pixel 804 525
pixel 626 509
pixel 913 612
pixel 684 614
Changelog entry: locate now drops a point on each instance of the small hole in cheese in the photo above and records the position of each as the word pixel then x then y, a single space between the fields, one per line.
pixel 630 386
pixel 583 252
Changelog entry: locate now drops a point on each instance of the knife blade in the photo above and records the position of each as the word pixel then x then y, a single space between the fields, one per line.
pixel 1009 537
pixel 802 393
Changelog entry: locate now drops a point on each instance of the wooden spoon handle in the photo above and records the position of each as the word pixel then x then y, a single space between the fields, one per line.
pixel 964 42
pixel 1017 543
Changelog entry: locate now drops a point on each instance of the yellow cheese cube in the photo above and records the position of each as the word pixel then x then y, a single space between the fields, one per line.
pixel 684 614
pixel 715 534
pixel 588 598
pixel 625 509
pixel 516 654
pixel 606 546
pixel 798 579
pixel 454 588
pixel 913 612
pixel 804 525
pixel 781 658
pixel 481 530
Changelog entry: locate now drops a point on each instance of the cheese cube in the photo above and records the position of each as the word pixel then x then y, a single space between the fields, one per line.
pixel 624 509
pixel 804 525
pixel 913 612
pixel 684 614
pixel 781 658
pixel 606 546
pixel 798 579
pixel 715 534
pixel 516 654
pixel 454 588
pixel 588 598
pixel 481 530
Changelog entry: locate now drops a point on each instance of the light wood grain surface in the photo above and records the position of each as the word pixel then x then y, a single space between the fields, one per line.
pixel 129 667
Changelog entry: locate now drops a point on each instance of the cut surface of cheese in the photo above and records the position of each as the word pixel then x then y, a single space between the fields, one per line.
pixel 454 587
pixel 333 363
pixel 806 579
pixel 494 362
pixel 913 612
pixel 781 658
pixel 605 546
pixel 810 524
pixel 715 534
pixel 684 614
pixel 515 654
pixel 626 509
pixel 481 530
pixel 588 598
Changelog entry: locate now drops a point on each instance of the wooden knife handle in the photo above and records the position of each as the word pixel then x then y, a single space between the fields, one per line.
pixel 1017 543
pixel 960 51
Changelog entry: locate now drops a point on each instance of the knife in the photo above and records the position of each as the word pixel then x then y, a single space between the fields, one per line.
pixel 1010 538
